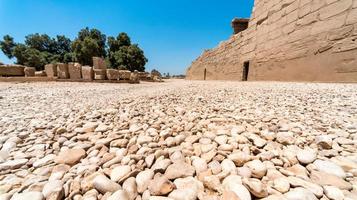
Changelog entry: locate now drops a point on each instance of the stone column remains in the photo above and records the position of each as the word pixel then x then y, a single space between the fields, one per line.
pixel 51 70
pixel 87 73
pixel 62 71
pixel 124 74
pixel 113 74
pixel 75 70
pixel 29 71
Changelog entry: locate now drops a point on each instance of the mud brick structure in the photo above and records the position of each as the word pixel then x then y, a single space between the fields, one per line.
pixel 75 70
pixel 124 74
pixel 287 40
pixel 62 71
pixel 29 71
pixel 99 63
pixel 87 73
pixel 112 74
pixel 51 70
pixel 12 70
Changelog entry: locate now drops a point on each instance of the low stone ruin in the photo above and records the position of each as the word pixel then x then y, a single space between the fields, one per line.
pixel 76 72
pixel 29 71
pixel 12 70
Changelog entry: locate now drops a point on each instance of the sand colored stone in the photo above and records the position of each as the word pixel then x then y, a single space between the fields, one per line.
pixel 87 73
pixel 12 70
pixel 287 41
pixel 113 74
pixel 51 70
pixel 29 71
pixel 75 71
pixel 62 71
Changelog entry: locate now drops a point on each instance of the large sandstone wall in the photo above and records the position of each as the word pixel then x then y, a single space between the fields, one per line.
pixel 288 40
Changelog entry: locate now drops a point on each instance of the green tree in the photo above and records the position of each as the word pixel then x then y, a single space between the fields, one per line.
pixel 7 46
pixel 89 43
pixel 38 50
pixel 41 42
pixel 19 54
pixel 122 53
pixel 62 48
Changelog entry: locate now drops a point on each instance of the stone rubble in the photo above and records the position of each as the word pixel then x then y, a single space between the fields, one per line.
pixel 179 140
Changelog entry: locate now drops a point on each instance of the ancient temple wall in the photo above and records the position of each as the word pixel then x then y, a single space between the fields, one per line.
pixel 289 40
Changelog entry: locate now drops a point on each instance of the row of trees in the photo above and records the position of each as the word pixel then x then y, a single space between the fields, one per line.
pixel 40 49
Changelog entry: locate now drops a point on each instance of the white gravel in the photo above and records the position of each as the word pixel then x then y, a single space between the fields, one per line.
pixel 185 139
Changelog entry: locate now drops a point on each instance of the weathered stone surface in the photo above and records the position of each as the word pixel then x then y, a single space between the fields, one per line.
pixel 100 74
pixel 13 164
pixel 120 194
pixel 330 168
pixel 179 170
pixel 323 179
pixel 87 73
pixel 103 184
pixel 119 172
pixel 99 63
pixel 62 71
pixel 29 71
pixel 12 70
pixel 28 195
pixel 70 156
pixel 134 76
pixel 282 43
pixel 124 74
pixel 51 70
pixel 75 71
pixel 113 74
pixel 53 187
pixel 143 180
pixel 160 185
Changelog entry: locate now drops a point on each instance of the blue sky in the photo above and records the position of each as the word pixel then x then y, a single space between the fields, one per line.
pixel 171 32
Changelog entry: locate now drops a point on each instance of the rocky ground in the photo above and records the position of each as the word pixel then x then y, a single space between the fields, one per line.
pixel 178 140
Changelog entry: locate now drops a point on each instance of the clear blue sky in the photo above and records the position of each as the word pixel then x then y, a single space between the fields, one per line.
pixel 171 32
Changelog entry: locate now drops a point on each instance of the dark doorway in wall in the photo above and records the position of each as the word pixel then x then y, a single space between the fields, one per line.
pixel 204 74
pixel 245 71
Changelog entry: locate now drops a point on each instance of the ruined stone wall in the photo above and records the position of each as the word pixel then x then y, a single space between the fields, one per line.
pixel 288 40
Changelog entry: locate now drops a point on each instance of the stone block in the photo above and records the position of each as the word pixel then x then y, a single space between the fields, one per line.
pixel 29 71
pixel 332 23
pixel 100 74
pixel 346 44
pixel 113 74
pixel 134 76
pixel 12 70
pixel 124 74
pixel 308 19
pixel 75 70
pixel 340 33
pixel 335 9
pixel 62 71
pixel 40 73
pixel 51 70
pixel 354 30
pixel 99 63
pixel 352 17
pixel 143 75
pixel 87 73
